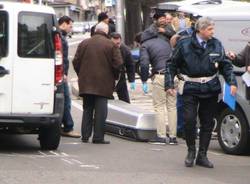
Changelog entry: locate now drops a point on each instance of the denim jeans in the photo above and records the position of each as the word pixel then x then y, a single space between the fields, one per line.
pixel 68 122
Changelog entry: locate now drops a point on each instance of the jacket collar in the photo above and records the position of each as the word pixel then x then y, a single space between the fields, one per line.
pixel 101 33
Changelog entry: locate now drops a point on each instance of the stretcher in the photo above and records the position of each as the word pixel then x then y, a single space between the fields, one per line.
pixel 131 121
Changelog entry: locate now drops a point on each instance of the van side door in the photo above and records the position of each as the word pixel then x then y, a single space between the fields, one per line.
pixel 5 64
pixel 34 64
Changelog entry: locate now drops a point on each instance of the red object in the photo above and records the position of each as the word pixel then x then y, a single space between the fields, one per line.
pixel 58 59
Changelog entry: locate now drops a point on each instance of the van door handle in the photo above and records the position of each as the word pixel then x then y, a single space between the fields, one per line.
pixel 3 71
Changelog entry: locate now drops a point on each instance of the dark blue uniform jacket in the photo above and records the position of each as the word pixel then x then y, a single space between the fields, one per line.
pixel 191 59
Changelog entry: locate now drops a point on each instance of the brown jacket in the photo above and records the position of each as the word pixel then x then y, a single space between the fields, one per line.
pixel 243 58
pixel 97 62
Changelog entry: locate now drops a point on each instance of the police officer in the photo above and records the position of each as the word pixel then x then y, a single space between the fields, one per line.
pixel 199 58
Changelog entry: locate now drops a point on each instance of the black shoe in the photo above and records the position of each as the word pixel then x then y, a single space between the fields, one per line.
pixel 158 140
pixel 203 161
pixel 173 141
pixel 100 142
pixel 85 140
pixel 189 161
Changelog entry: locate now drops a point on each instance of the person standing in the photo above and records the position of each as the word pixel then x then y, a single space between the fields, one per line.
pixel 199 58
pixel 65 25
pixel 128 67
pixel 155 51
pixel 242 59
pixel 181 22
pixel 97 64
pixel 102 17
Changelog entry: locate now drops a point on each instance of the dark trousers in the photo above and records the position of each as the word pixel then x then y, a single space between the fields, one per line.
pixel 95 110
pixel 122 91
pixel 179 105
pixel 205 108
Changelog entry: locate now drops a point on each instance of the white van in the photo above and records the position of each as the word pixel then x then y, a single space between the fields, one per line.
pixel 232 28
pixel 31 71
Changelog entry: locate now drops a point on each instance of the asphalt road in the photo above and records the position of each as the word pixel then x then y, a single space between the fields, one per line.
pixel 122 162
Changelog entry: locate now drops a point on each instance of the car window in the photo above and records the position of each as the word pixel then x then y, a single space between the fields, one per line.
pixel 35 35
pixel 3 33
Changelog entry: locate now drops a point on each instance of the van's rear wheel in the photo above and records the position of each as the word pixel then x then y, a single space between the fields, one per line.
pixel 49 136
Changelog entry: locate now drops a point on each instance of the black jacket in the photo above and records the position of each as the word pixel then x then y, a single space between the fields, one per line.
pixel 128 64
pixel 65 52
pixel 155 51
pixel 191 59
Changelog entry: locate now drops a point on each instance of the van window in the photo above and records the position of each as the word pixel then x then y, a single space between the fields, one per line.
pixel 35 35
pixel 3 33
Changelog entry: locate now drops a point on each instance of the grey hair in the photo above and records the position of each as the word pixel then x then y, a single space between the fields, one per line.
pixel 102 27
pixel 203 23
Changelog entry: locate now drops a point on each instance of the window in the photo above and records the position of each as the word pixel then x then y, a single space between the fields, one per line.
pixel 35 35
pixel 3 34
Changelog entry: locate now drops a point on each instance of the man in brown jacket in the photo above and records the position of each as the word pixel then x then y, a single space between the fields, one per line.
pixel 97 62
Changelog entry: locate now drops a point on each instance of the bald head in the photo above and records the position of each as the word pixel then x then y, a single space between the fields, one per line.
pixel 103 27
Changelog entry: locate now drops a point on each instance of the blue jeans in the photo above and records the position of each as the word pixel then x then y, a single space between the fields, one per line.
pixel 68 122
pixel 179 104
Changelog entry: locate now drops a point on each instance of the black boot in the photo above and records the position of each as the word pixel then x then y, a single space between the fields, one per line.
pixel 202 159
pixel 189 161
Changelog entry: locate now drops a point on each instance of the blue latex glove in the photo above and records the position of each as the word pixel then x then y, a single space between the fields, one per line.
pixel 132 85
pixel 145 87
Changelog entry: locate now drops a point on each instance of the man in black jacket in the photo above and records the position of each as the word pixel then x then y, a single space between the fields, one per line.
pixel 128 67
pixel 199 58
pixel 155 51
pixel 65 25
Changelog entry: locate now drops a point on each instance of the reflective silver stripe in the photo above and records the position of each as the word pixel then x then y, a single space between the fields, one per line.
pixel 198 79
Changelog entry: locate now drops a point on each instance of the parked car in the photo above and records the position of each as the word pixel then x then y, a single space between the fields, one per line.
pixel 78 27
pixel 31 72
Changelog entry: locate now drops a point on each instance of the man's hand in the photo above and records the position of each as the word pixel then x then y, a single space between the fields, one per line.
pixel 65 78
pixel 248 68
pixel 132 86
pixel 233 90
pixel 161 30
pixel 171 92
pixel 145 87
pixel 231 55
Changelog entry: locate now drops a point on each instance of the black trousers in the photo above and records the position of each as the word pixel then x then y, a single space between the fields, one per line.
pixel 122 91
pixel 205 108
pixel 95 110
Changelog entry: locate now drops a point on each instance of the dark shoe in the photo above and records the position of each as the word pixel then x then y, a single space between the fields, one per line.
pixel 203 161
pixel 85 140
pixel 173 141
pixel 158 140
pixel 189 161
pixel 100 142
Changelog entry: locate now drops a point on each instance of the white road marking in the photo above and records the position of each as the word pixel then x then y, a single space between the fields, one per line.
pixel 73 143
pixel 90 166
pixel 42 153
pixel 52 152
pixel 67 161
pixel 76 161
pixel 65 154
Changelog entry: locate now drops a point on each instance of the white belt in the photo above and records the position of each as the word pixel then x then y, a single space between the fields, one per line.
pixel 198 79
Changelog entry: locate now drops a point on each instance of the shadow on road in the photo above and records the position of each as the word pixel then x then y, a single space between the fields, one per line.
pixel 18 143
